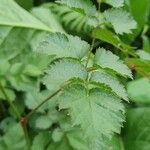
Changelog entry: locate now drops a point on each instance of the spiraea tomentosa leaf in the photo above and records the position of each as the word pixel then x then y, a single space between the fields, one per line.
pixel 85 5
pixel 121 20
pixel 98 112
pixel 96 109
pixel 107 60
pixel 62 45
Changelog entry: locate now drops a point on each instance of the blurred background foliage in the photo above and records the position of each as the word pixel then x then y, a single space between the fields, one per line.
pixel 134 135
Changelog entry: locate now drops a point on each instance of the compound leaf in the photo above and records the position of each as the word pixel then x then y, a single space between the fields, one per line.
pixel 98 112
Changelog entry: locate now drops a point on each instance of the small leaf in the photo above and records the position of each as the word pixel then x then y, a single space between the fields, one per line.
pixel 85 5
pixel 46 121
pixel 121 20
pixel 141 66
pixel 139 91
pixel 57 135
pixel 111 81
pixel 4 66
pixel 34 98
pixel 9 142
pixel 10 93
pixel 109 37
pixel 41 140
pixel 62 45
pixel 106 59
pixel 43 122
pixel 143 55
pixel 137 129
pixel 32 70
pixel 62 71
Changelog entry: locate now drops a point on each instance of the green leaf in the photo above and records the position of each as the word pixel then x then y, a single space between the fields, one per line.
pixel 85 5
pixel 46 121
pixel 32 70
pixel 43 122
pixel 10 93
pixel 4 67
pixel 48 18
pixel 137 129
pixel 57 135
pixel 141 66
pixel 8 140
pixel 100 116
pixel 14 40
pixel 115 3
pixel 139 91
pixel 73 136
pixel 110 81
pixel 116 143
pixel 62 71
pixel 140 11
pixel 143 55
pixel 17 29
pixel 76 140
pixel 28 4
pixel 63 45
pixel 13 15
pixel 121 20
pixel 146 43
pixel 73 21
pixel 106 59
pixel 34 98
pixel 41 140
pixel 62 145
pixel 107 36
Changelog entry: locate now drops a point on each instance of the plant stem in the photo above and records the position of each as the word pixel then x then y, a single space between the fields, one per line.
pixel 91 48
pixel 43 102
pixel 17 114
pixel 121 143
pixel 99 5
pixel 9 101
pixel 24 127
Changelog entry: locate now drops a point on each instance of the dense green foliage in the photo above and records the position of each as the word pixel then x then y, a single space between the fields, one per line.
pixel 64 70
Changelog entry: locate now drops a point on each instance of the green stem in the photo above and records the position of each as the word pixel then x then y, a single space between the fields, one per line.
pixel 121 143
pixel 99 5
pixel 43 102
pixel 9 101
pixel 16 112
pixel 91 48
pixel 24 127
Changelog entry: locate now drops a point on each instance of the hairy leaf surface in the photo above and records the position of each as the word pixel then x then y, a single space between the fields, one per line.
pixel 107 59
pixel 121 20
pixel 62 45
pixel 98 112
